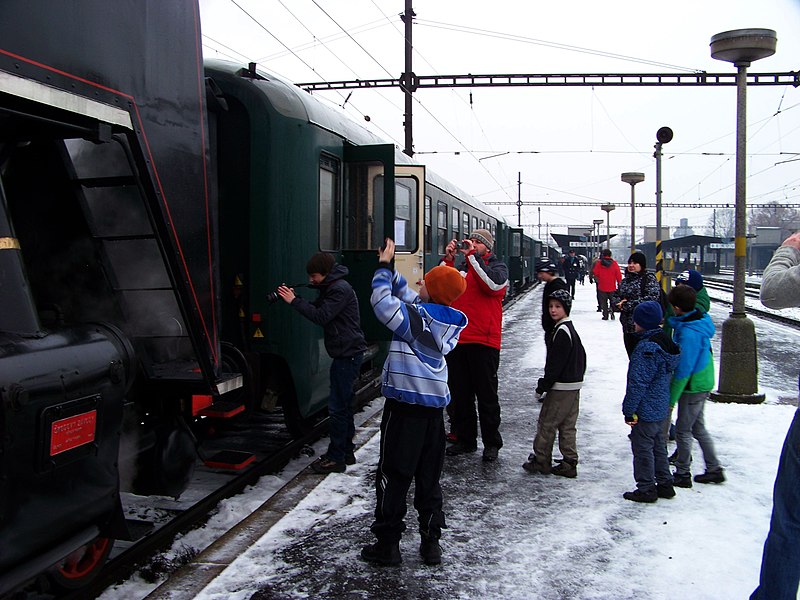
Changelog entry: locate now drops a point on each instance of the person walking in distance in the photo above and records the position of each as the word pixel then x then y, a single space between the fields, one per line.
pixel 607 273
pixel 780 562
pixel 474 362
pixel 572 269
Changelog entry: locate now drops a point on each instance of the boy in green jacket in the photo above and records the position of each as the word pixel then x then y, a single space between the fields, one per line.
pixel 691 383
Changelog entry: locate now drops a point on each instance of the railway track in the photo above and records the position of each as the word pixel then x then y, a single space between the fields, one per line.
pixel 721 290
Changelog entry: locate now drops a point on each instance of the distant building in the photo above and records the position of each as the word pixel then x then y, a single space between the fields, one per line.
pixel 683 230
pixel 650 234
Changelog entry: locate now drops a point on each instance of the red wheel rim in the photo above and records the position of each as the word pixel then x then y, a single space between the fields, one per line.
pixel 84 560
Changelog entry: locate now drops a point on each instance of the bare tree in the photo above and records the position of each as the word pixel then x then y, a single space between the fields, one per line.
pixel 723 223
pixel 775 215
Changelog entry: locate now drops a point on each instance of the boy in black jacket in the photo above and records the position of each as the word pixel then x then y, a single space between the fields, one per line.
pixel 336 309
pixel 560 388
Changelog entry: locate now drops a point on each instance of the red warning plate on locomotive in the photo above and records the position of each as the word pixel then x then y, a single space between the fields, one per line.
pixel 72 432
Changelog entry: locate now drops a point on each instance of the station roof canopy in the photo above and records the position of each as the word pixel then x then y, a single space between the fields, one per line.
pixel 564 241
pixel 689 241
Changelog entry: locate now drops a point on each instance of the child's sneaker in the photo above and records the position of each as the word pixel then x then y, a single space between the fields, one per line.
pixel 638 495
pixel 324 466
pixel 711 477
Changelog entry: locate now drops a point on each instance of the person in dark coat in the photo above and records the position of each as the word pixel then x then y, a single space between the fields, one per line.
pixel 572 270
pixel 547 272
pixel 336 310
pixel 637 286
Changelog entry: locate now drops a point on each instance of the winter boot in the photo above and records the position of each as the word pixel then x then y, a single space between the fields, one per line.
pixel 430 550
pixel 638 495
pixel 665 490
pixel 711 477
pixel 566 469
pixel 382 553
pixel 682 480
pixel 532 466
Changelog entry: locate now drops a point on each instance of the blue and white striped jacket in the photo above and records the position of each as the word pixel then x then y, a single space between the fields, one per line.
pixel 415 371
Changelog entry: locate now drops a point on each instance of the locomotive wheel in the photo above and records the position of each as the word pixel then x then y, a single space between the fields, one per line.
pixel 233 361
pixel 79 567
pixel 167 467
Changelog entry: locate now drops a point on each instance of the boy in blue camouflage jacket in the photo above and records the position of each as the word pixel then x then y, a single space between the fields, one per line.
pixel 646 404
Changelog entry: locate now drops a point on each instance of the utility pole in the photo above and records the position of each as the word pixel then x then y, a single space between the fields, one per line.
pixel 407 83
pixel 519 199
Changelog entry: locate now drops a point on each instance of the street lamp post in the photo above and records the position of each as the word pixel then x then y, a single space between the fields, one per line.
pixel 598 243
pixel 608 208
pixel 633 179
pixel 663 136
pixel 738 373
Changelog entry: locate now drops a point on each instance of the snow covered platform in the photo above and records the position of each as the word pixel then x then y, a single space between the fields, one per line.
pixel 513 534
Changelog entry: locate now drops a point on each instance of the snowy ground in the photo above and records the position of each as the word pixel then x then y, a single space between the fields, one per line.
pixel 517 535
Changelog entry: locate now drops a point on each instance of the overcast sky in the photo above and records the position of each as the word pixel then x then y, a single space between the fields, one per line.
pixel 568 144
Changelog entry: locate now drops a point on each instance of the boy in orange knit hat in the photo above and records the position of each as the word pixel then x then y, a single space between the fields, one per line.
pixel 425 328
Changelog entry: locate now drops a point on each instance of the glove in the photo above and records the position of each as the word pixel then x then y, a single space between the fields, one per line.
pixel 540 397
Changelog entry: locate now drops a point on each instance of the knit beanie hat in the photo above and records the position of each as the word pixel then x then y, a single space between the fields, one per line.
pixel 444 284
pixel 648 315
pixel 483 235
pixel 640 258
pixel 547 266
pixel 564 297
pixel 691 278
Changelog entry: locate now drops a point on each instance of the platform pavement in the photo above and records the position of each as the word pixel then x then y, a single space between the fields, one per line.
pixel 513 534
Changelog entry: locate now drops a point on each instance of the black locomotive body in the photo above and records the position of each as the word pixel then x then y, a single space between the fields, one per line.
pixel 148 207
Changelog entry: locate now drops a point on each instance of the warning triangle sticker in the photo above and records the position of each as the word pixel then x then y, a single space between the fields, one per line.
pixel 258 333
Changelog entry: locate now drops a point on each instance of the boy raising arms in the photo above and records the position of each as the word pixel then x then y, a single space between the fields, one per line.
pixel 414 382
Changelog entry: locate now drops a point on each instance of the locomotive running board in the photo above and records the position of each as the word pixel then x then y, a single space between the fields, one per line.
pixel 231 460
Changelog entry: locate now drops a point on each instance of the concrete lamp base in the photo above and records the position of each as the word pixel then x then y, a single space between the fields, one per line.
pixel 738 372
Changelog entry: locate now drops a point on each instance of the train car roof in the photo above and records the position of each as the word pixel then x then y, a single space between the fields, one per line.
pixel 291 101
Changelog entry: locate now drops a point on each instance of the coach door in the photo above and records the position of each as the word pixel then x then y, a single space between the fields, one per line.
pixel 409 222
pixel 369 207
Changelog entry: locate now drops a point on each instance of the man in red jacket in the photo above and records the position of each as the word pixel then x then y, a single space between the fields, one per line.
pixel 607 274
pixel 473 364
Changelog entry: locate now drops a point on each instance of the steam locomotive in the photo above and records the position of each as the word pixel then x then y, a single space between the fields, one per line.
pixel 149 205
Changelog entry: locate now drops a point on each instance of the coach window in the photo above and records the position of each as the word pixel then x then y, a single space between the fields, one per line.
pixel 516 244
pixel 441 224
pixel 483 224
pixel 329 203
pixel 455 221
pixel 405 211
pixel 474 223
pixel 428 226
